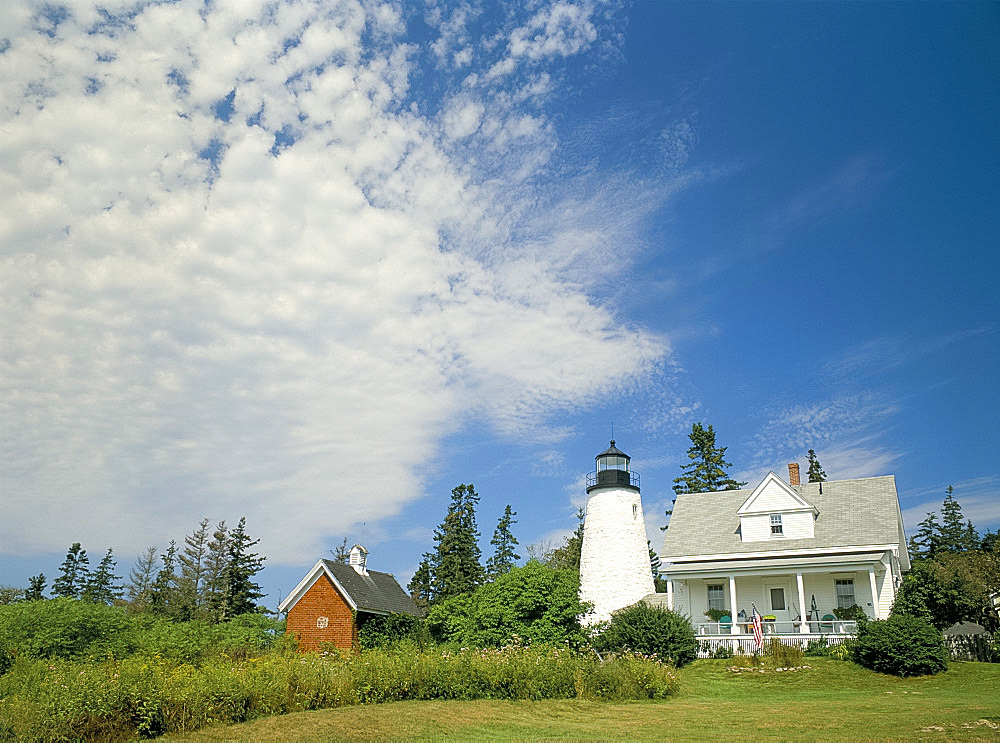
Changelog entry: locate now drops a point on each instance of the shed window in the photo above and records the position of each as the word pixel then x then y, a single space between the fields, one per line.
pixel 717 597
pixel 845 593
pixel 776 528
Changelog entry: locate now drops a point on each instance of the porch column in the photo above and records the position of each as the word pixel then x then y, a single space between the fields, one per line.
pixel 803 617
pixel 734 628
pixel 871 579
pixel 670 594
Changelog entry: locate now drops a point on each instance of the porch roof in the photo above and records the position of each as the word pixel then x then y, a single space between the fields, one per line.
pixel 771 564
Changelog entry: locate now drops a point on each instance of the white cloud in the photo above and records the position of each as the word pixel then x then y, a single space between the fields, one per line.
pixel 276 306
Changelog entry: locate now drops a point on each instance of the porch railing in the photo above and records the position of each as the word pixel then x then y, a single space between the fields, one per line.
pixel 746 645
pixel 784 627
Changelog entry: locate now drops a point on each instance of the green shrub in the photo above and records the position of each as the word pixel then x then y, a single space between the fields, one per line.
pixel 722 651
pixel 64 628
pixel 850 613
pixel 782 655
pixel 389 630
pixel 900 645
pixel 535 604
pixel 652 630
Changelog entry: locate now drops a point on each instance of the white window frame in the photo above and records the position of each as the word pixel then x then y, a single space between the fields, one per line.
pixel 841 597
pixel 777 528
pixel 720 598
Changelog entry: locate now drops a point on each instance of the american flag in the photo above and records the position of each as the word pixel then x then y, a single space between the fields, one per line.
pixel 758 628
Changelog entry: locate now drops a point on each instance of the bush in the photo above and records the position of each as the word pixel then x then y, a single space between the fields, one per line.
pixel 535 604
pixel 722 651
pixel 900 645
pixel 389 630
pixel 652 630
pixel 782 655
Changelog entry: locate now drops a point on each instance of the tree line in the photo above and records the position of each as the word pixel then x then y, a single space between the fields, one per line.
pixel 211 577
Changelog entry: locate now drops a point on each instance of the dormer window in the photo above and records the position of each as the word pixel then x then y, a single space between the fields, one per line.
pixel 776 528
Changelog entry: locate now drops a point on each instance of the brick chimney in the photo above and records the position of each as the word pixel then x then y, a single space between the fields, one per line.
pixel 793 473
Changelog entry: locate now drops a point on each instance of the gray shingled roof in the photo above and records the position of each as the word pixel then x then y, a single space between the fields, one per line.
pixel 375 592
pixel 851 512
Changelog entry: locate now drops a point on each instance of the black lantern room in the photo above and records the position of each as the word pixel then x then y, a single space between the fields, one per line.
pixel 613 471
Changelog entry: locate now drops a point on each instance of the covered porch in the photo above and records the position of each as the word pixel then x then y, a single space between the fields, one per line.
pixel 797 596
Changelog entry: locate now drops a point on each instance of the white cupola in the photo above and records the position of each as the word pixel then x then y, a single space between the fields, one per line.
pixel 357 558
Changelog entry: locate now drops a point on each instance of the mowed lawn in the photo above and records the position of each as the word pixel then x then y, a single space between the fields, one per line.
pixel 831 700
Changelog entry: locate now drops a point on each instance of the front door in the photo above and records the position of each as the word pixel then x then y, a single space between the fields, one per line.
pixel 778 598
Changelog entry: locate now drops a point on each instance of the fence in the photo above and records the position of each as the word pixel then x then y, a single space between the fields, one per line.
pixel 970 647
pixel 746 645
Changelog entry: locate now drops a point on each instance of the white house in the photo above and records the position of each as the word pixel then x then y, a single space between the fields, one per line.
pixel 796 551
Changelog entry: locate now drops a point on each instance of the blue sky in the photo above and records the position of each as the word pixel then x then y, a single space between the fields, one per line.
pixel 317 263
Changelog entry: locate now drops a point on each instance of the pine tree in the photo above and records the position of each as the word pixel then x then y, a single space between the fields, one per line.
pixel 241 591
pixel 141 578
pixel 654 560
pixel 504 556
pixel 706 472
pixel 956 535
pixel 193 562
pixel 214 594
pixel 456 568
pixel 343 553
pixel 72 573
pixel 816 473
pixel 36 588
pixel 420 585
pixel 103 585
pixel 163 598
pixel 927 541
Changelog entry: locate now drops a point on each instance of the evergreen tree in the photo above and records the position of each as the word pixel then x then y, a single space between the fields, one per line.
pixel 36 588
pixel 504 556
pixel 241 591
pixel 72 573
pixel 102 585
pixel 214 593
pixel 654 560
pixel 163 598
pixel 567 556
pixel 926 542
pixel 816 473
pixel 706 472
pixel 420 585
pixel 956 534
pixel 141 580
pixel 193 563
pixel 343 553
pixel 456 568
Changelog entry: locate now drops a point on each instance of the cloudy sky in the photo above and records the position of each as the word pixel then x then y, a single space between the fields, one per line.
pixel 318 262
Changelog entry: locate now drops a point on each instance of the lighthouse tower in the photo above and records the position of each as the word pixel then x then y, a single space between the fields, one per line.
pixel 614 559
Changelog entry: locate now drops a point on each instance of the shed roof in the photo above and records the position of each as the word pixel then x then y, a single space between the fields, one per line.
pixel 863 511
pixel 374 592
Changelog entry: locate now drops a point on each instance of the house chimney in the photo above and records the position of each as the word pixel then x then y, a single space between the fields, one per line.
pixel 357 558
pixel 793 473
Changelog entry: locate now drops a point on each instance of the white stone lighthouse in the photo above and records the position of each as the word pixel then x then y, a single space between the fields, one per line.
pixel 614 560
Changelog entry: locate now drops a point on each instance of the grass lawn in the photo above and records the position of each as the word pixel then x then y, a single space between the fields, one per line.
pixel 832 700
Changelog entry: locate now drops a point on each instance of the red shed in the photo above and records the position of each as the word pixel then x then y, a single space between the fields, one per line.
pixel 327 605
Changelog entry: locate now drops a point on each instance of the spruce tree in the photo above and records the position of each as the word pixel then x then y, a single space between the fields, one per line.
pixel 456 568
pixel 244 564
pixel 36 588
pixel 73 573
pixel 956 534
pixel 163 598
pixel 103 585
pixel 927 540
pixel 816 473
pixel 504 555
pixel 706 472
pixel 193 563
pixel 420 585
pixel 214 593
pixel 141 578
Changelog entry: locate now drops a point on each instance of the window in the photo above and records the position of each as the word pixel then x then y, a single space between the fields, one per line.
pixel 845 593
pixel 776 528
pixel 717 597
pixel 635 512
pixel 777 599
